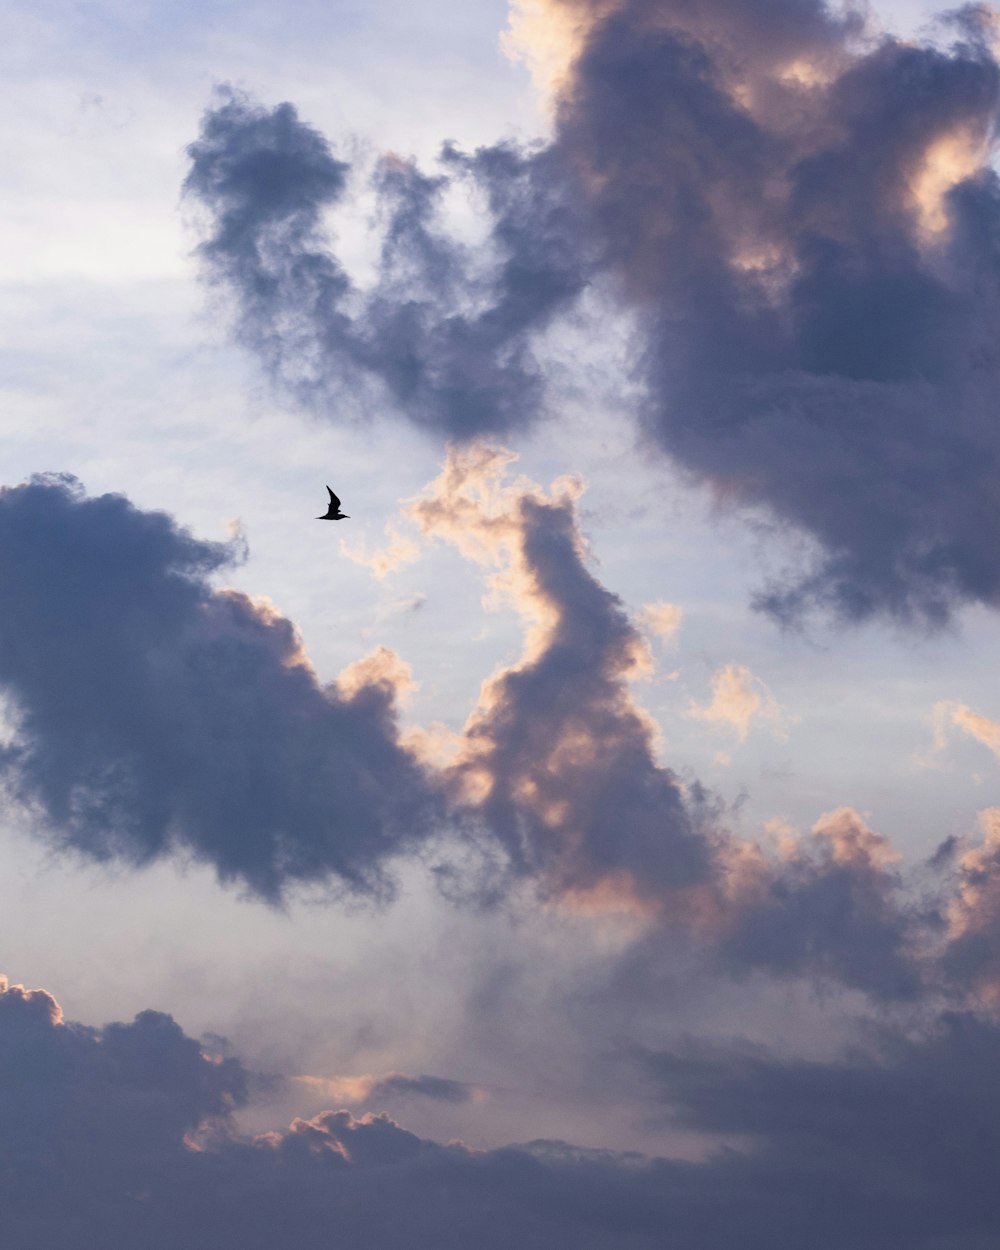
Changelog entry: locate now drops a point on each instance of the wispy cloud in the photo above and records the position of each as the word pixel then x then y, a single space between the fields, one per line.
pixel 444 335
pixel 739 700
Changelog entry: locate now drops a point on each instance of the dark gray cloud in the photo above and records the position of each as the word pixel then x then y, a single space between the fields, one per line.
pixel 448 335
pixel 807 225
pixel 888 1146
pixel 124 1136
pixel 835 910
pixel 80 1100
pixel 803 218
pixel 437 1088
pixel 155 715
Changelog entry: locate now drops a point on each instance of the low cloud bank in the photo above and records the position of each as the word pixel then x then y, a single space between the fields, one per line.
pixel 125 1136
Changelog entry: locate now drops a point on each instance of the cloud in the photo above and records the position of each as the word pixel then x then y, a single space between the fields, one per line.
pixel 436 1088
pixel 396 1085
pixel 804 220
pixel 154 715
pixel 971 958
pixel 96 1101
pixel 125 1135
pixel 853 1145
pixel 558 764
pixel 445 335
pixel 738 699
pixel 973 723
pixel 662 620
pixel 398 551
pixel 799 213
pixel 830 908
pixel 558 761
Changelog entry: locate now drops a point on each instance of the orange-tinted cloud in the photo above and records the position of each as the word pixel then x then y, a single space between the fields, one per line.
pixel 740 699
pixel 558 760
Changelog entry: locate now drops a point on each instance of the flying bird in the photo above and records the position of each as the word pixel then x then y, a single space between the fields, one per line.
pixel 333 513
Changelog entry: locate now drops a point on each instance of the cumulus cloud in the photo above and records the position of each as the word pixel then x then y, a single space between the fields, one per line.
pixel 971 958
pixel 799 212
pixel 92 1101
pixel 154 715
pixel 445 335
pixel 804 216
pixel 832 907
pixel 558 761
pixel 738 700
pixel 124 1136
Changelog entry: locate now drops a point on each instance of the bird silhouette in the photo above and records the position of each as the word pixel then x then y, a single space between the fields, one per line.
pixel 333 513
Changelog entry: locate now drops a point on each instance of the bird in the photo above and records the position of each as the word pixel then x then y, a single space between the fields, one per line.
pixel 333 513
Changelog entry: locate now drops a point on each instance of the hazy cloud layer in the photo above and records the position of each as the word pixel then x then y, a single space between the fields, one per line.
pixel 800 212
pixel 861 1147
pixel 154 715
pixel 124 1136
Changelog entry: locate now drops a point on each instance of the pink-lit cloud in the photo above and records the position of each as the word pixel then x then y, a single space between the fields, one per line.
pixel 558 759
pixel 739 700
pixel 960 716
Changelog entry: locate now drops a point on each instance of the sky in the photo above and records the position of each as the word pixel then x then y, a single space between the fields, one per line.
pixel 594 841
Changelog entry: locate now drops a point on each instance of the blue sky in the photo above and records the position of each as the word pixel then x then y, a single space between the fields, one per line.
pixel 713 850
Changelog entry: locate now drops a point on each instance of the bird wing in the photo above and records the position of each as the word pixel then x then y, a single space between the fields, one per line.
pixel 333 499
